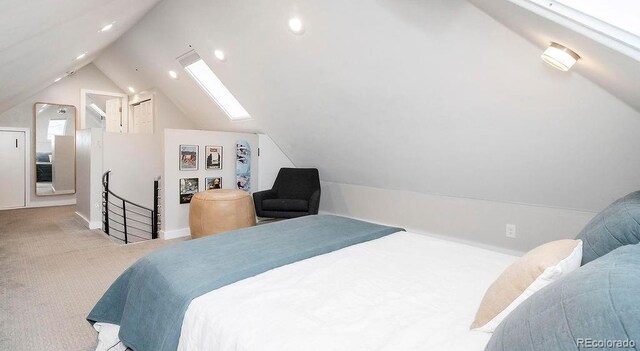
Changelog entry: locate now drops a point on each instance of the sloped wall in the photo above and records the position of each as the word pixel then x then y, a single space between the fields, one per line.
pixel 428 97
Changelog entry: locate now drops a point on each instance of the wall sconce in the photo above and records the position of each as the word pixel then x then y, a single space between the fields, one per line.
pixel 560 57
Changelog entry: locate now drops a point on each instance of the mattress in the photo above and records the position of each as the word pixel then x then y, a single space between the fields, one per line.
pixel 402 292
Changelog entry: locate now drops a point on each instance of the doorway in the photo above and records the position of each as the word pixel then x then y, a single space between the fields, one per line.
pixel 104 110
pixel 13 168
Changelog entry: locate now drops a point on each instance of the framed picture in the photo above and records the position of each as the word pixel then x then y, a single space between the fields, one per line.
pixel 188 187
pixel 213 156
pixel 188 157
pixel 211 183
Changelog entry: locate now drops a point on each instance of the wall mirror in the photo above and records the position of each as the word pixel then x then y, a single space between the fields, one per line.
pixel 55 149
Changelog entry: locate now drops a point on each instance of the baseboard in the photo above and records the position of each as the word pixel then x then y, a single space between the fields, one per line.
pixel 13 208
pixel 174 234
pixel 51 203
pixel 87 223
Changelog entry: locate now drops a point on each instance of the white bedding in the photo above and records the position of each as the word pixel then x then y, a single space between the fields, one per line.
pixel 402 292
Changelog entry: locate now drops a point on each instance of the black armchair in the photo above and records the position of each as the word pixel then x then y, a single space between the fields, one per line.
pixel 295 193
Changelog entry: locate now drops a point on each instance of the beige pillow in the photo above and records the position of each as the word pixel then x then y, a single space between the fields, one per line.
pixel 530 273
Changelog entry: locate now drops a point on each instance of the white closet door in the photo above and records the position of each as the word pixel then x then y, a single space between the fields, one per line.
pixel 143 118
pixel 12 169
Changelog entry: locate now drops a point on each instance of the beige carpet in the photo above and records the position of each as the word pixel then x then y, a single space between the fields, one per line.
pixel 52 271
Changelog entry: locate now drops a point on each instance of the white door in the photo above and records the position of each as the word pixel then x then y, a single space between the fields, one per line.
pixel 12 169
pixel 143 117
pixel 114 116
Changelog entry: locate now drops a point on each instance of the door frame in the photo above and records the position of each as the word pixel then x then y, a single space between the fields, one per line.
pixel 83 105
pixel 27 162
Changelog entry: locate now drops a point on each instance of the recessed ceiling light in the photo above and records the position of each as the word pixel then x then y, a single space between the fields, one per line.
pixel 57 80
pixel 219 54
pixel 81 56
pixel 295 24
pixel 560 57
pixel 131 89
pixel 173 74
pixel 107 27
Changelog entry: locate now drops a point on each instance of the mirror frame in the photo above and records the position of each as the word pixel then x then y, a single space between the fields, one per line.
pixel 33 153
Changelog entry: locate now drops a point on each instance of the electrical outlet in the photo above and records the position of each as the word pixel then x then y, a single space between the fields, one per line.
pixel 511 230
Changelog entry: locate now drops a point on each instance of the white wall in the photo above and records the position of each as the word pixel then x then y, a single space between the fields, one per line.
pixel 175 216
pixel 134 160
pixel 65 92
pixel 473 221
pixel 88 173
pixel 270 161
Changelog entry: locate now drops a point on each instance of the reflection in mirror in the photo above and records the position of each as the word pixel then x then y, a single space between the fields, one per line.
pixel 115 113
pixel 55 153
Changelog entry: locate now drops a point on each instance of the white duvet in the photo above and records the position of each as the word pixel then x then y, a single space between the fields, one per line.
pixel 402 292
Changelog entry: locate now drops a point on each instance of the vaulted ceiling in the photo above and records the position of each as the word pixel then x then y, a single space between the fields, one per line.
pixel 428 96
pixel 40 39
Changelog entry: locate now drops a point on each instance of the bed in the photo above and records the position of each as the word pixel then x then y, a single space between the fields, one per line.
pixel 401 291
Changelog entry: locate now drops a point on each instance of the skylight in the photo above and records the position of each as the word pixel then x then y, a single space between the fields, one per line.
pixel 98 110
pixel 213 86
pixel 612 22
pixel 56 127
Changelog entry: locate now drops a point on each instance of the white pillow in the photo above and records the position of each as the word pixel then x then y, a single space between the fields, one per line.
pixel 530 273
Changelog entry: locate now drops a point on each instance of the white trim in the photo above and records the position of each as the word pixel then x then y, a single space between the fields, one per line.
pixel 174 234
pixel 27 162
pixel 83 105
pixel 87 223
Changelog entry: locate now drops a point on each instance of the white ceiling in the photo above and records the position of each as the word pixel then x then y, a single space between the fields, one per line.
pixel 143 57
pixel 40 39
pixel 427 96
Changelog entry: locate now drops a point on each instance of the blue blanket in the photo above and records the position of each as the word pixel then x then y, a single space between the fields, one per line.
pixel 150 298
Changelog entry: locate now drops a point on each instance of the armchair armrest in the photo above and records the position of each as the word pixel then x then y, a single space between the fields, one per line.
pixel 263 195
pixel 314 202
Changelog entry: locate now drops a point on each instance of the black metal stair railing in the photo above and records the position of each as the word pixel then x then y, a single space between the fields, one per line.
pixel 126 220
